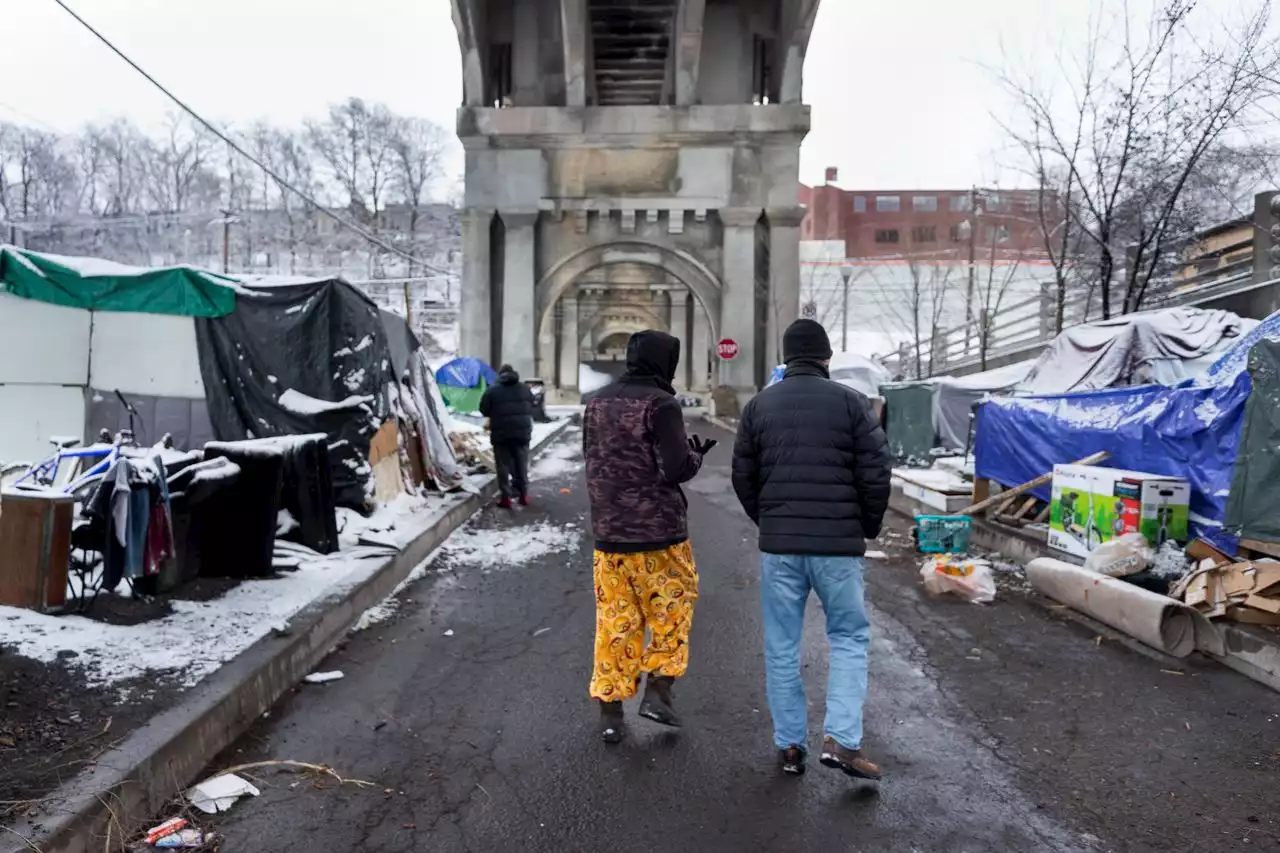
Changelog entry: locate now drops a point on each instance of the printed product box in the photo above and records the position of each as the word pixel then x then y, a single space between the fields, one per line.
pixel 1093 505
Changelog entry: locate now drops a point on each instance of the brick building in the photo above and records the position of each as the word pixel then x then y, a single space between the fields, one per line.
pixel 893 224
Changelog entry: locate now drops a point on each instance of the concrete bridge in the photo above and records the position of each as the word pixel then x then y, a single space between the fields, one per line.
pixel 631 164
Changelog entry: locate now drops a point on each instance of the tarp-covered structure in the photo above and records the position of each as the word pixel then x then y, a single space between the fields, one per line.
pixel 271 357
pixel 1164 347
pixel 463 382
pixel 954 399
pixel 1253 507
pixel 1191 430
pixel 856 371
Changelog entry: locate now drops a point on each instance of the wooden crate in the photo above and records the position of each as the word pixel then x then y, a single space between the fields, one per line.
pixel 35 545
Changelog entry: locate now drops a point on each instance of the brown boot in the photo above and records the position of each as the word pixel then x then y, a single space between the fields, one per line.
pixel 791 760
pixel 656 704
pixel 851 761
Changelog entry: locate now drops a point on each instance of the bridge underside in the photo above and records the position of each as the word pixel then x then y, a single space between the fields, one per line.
pixel 631 164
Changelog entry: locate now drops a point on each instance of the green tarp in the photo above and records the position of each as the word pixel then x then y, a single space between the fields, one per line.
pixel 98 285
pixel 1255 483
pixel 463 400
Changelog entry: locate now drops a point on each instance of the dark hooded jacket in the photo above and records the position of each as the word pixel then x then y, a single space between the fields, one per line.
pixel 637 453
pixel 509 408
pixel 810 465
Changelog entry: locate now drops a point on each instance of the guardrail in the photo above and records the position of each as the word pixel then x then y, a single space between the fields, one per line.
pixel 1026 327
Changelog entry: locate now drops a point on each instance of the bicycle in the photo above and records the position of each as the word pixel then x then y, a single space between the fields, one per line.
pixel 46 473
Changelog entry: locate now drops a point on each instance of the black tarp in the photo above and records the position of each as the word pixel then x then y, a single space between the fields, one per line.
pixel 1255 483
pixel 321 339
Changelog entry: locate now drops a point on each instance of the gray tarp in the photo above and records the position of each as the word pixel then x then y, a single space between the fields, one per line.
pixel 954 396
pixel 1153 346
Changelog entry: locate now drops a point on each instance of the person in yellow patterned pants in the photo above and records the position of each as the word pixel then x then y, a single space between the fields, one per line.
pixel 637 455
pixel 651 589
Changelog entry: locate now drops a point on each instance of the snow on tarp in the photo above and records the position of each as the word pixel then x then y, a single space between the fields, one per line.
pixel 101 285
pixel 300 337
pixel 1191 430
pixel 301 404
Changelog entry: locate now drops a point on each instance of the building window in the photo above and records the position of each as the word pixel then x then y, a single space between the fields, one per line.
pixel 1031 204
pixel 888 204
pixel 997 204
pixel 957 234
pixel 924 203
pixel 961 203
pixel 887 235
pixel 924 234
pixel 859 204
pixel 997 233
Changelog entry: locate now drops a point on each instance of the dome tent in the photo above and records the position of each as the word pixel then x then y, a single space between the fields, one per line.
pixel 463 382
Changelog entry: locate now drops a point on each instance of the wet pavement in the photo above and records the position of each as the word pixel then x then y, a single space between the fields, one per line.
pixel 1001 728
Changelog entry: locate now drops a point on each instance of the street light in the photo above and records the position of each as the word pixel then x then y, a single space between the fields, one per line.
pixel 846 273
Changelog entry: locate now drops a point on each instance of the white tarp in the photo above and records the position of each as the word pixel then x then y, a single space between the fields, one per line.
pixel 954 396
pixel 1151 346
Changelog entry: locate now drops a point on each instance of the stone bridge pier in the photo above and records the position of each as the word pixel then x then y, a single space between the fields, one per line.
pixel 631 164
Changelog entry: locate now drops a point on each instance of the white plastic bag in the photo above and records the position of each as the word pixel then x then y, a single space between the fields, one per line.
pixel 1124 555
pixel 969 578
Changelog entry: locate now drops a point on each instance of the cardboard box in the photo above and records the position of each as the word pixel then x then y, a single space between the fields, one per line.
pixel 1093 505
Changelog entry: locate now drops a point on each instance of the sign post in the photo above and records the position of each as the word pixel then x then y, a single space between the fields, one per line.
pixel 727 349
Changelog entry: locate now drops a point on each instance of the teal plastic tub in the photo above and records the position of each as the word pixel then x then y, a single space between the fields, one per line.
pixel 943 534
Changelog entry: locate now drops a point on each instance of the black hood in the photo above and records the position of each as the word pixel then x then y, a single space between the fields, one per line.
pixel 507 375
pixel 652 357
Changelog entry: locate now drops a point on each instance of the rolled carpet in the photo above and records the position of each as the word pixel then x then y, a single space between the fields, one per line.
pixel 1156 620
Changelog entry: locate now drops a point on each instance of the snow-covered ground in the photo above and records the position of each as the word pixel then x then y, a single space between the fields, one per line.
pixel 199 636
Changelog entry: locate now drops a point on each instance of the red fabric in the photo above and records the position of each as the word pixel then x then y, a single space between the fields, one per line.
pixel 159 539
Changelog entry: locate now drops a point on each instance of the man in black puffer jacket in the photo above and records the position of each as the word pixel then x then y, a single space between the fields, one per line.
pixel 509 408
pixel 811 470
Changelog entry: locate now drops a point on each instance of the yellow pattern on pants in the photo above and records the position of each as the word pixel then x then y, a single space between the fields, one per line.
pixel 653 589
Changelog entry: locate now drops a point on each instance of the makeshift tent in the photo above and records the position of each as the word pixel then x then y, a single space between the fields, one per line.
pixel 98 285
pixel 1164 346
pixel 297 358
pixel 954 398
pixel 463 382
pixel 1191 430
pixel 848 368
pixel 1251 510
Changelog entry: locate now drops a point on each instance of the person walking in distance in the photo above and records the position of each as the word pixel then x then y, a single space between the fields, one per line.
pixel 508 405
pixel 637 455
pixel 811 470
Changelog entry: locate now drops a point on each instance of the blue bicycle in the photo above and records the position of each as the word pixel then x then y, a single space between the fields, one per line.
pixel 61 470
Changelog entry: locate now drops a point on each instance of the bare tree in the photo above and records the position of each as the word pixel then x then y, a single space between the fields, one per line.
pixel 1150 100
pixel 417 148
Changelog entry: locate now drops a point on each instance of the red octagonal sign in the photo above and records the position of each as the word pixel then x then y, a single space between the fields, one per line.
pixel 727 349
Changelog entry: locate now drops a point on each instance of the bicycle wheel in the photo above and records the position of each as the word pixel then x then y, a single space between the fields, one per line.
pixel 83 489
pixel 11 471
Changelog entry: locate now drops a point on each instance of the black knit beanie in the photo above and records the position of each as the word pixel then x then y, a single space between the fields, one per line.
pixel 805 339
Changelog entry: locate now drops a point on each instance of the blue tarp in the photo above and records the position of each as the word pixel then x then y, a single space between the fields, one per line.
pixel 776 376
pixel 465 372
pixel 1191 430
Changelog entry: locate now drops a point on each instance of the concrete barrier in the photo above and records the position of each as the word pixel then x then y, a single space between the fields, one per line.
pixel 133 783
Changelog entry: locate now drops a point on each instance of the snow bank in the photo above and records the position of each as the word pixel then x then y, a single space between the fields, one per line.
pixel 590 379
pixel 560 461
pixel 301 404
pixel 506 547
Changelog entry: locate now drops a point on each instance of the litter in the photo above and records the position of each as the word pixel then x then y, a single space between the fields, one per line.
pixel 943 534
pixel 193 838
pixel 323 677
pixel 540 632
pixel 1242 592
pixel 971 579
pixel 1126 555
pixel 220 793
pixel 169 827
pixel 876 555
pixel 449 633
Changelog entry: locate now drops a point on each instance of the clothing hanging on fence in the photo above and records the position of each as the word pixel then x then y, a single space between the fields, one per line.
pixel 131 506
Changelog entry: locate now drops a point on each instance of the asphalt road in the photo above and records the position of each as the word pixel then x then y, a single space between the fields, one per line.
pixel 1001 728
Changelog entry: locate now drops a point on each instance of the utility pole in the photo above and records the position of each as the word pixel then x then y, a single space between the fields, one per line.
pixel 846 273
pixel 408 306
pixel 973 261
pixel 226 241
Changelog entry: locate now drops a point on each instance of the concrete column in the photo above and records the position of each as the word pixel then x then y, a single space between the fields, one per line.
pixel 737 305
pixel 519 310
pixel 688 50
pixel 784 277
pixel 700 376
pixel 570 343
pixel 679 325
pixel 573 33
pixel 475 309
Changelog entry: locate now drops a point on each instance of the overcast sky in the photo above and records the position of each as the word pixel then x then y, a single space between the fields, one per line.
pixel 899 92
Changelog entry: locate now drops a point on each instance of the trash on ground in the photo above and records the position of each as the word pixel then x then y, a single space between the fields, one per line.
pixel 969 578
pixel 324 677
pixel 876 555
pixel 1240 591
pixel 449 633
pixel 169 827
pixel 1127 555
pixel 189 838
pixel 939 534
pixel 540 632
pixel 220 793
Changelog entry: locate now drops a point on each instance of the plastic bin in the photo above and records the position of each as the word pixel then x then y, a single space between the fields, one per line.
pixel 943 534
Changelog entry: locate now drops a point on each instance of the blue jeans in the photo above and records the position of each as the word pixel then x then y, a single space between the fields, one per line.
pixel 785 584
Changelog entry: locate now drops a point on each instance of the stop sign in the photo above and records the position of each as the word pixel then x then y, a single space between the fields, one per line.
pixel 727 349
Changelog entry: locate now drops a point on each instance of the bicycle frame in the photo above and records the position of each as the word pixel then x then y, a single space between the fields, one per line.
pixel 46 472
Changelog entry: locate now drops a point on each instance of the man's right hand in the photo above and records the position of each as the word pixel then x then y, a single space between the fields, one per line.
pixel 700 446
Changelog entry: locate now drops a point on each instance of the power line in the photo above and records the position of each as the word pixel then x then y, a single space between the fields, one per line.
pixel 341 220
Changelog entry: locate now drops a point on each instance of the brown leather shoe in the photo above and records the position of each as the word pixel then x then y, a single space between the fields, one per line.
pixel 791 760
pixel 851 761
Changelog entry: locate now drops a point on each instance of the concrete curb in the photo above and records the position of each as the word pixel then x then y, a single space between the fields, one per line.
pixel 1247 653
pixel 133 782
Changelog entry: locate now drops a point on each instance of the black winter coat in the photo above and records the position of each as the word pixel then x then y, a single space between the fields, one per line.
pixel 509 408
pixel 810 466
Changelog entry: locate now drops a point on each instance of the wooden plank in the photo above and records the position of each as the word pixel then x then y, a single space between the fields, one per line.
pixel 981 489
pixel 1271 549
pixel 981 505
pixel 1043 515
pixel 1026 507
